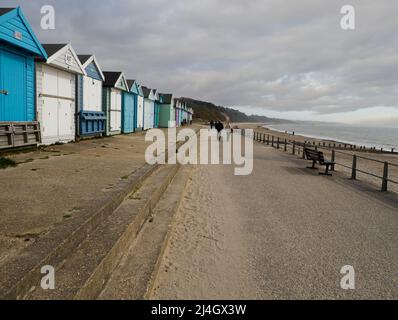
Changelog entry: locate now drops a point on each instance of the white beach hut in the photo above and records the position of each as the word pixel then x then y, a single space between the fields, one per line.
pixel 56 93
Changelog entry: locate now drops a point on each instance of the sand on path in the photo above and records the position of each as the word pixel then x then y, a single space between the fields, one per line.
pixel 281 233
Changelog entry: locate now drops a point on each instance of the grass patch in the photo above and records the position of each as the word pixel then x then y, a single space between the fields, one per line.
pixel 5 163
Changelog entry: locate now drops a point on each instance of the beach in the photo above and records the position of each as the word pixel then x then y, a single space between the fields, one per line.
pixel 343 157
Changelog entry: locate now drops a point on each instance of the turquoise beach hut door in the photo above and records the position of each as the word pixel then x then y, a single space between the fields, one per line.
pixel 12 87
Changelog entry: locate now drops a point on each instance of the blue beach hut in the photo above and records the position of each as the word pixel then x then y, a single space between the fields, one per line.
pixel 129 107
pixel 18 49
pixel 90 116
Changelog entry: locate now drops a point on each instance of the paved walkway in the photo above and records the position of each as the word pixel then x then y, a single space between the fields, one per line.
pixel 60 182
pixel 283 232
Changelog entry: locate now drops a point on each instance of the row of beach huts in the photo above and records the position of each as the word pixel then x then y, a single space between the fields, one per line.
pixel 51 94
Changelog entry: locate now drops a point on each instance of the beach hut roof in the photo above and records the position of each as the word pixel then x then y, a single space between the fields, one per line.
pixel 166 97
pixel 130 83
pixel 55 50
pixel 87 59
pixel 84 58
pixel 114 79
pixel 134 87
pixel 155 94
pixel 5 10
pixel 27 39
pixel 146 91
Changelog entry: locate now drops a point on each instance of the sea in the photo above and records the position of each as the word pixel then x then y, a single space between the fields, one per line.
pixel 386 138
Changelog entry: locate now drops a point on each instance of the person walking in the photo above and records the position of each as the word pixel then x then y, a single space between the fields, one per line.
pixel 219 127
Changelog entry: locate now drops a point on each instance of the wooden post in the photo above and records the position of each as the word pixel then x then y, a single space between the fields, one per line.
pixel 277 143
pixel 272 144
pixel 354 167
pixel 285 145
pixel 384 186
pixel 294 147
pixel 333 159
pixel 304 150
pixel 268 140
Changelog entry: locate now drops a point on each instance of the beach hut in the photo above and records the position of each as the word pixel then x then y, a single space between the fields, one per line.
pixel 166 111
pixel 91 118
pixel 157 109
pixel 190 115
pixel 18 49
pixel 149 108
pixel 140 110
pixel 129 107
pixel 176 112
pixel 114 86
pixel 180 112
pixel 56 93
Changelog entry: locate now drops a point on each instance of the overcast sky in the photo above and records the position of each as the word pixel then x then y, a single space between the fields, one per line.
pixel 279 58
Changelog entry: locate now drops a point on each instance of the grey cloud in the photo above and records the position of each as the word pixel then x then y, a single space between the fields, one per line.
pixel 267 54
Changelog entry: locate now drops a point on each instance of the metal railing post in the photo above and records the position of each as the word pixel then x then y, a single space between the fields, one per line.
pixel 354 167
pixel 384 186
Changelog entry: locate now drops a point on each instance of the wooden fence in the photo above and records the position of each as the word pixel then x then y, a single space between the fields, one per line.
pixel 297 148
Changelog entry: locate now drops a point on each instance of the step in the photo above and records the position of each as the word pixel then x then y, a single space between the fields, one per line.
pixel 133 277
pixel 19 274
pixel 22 273
pixel 82 274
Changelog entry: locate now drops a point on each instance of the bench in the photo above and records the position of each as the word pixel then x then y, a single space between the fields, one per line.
pixel 317 157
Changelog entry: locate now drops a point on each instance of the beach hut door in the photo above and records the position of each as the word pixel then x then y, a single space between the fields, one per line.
pixel 116 110
pixel 58 103
pixel 12 87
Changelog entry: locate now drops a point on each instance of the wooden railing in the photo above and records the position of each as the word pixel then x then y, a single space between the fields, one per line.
pixel 297 148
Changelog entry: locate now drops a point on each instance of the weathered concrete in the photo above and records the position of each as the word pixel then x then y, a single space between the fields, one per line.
pixel 58 196
pixel 84 271
pixel 132 279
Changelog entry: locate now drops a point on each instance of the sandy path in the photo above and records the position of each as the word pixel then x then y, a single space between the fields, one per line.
pixel 283 232
pixel 207 249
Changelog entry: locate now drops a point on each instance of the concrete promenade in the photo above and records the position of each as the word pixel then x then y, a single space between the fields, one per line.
pixel 283 232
